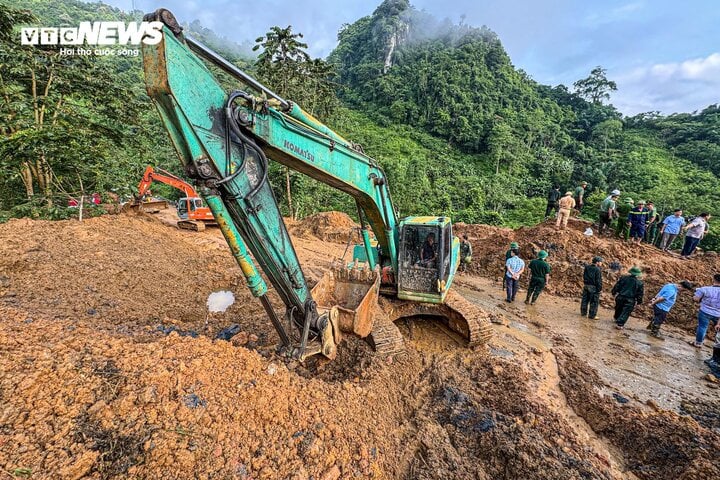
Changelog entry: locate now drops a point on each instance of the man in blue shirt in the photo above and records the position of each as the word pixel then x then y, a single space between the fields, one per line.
pixel 670 229
pixel 663 302
pixel 709 312
pixel 514 267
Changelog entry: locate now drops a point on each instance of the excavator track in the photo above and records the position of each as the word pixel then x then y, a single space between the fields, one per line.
pixel 469 320
pixel 385 337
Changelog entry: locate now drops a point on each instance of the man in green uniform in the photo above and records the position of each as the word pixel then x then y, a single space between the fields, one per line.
pixel 623 210
pixel 629 291
pixel 580 197
pixel 539 277
pixel 652 225
pixel 592 286
pixel 513 246
pixel 465 253
pixel 608 211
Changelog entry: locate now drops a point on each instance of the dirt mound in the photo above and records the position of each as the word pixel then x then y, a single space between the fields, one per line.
pixel 657 445
pixel 571 250
pixel 108 394
pixel 335 227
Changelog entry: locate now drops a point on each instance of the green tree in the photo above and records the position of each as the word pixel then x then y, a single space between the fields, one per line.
pixel 595 87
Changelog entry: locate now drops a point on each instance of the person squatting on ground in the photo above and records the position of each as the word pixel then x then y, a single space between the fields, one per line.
pixel 622 229
pixel 552 201
pixel 663 302
pixel 514 267
pixel 637 221
pixel 580 197
pixel 592 286
pixel 670 229
pixel 709 312
pixel 508 254
pixel 465 253
pixel 608 211
pixel 651 228
pixel 695 231
pixel 539 277
pixel 629 291
pixel 567 203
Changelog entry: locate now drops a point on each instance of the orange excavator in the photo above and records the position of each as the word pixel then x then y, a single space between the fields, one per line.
pixel 191 210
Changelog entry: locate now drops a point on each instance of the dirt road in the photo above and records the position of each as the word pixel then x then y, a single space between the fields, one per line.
pixel 107 370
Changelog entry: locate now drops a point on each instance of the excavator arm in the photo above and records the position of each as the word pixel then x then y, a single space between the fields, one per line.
pixel 224 141
pixel 150 176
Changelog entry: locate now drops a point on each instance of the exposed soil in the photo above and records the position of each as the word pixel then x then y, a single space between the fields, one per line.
pixel 92 386
pixel 570 250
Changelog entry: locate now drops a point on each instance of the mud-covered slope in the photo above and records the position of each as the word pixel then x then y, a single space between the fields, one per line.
pixel 571 250
pixel 108 395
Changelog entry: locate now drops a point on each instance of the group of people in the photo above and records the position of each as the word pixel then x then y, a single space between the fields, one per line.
pixel 636 222
pixel 628 292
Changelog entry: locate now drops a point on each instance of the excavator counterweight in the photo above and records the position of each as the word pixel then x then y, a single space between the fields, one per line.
pixel 225 140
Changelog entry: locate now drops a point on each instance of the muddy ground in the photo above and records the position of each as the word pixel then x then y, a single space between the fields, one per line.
pixel 570 250
pixel 109 369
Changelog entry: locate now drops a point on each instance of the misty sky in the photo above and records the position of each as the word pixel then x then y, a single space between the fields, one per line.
pixel 663 54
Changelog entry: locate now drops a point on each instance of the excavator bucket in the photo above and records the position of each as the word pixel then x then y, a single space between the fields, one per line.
pixel 350 295
pixel 151 206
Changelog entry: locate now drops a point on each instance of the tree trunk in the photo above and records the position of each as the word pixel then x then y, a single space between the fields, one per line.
pixel 27 179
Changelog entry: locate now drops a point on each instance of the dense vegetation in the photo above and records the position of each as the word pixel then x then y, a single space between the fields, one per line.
pixel 457 128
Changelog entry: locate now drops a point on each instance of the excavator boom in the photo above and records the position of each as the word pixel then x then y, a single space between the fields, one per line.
pixel 224 141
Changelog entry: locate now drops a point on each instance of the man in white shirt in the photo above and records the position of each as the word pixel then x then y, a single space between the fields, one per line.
pixel 694 232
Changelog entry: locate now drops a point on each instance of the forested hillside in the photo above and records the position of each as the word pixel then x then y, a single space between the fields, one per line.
pixel 459 130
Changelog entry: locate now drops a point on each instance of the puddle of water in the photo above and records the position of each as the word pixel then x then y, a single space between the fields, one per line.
pixel 631 361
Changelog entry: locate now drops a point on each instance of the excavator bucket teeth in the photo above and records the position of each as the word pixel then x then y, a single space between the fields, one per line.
pixel 353 294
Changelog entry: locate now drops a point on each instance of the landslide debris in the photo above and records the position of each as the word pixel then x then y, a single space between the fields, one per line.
pixel 109 395
pixel 571 250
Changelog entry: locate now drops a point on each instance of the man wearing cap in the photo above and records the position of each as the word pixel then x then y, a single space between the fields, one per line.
pixel 580 196
pixel 670 229
pixel 651 229
pixel 508 254
pixel 514 266
pixel 622 229
pixel 696 230
pixel 566 205
pixel 539 277
pixel 663 302
pixel 629 291
pixel 637 221
pixel 608 211
pixel 592 286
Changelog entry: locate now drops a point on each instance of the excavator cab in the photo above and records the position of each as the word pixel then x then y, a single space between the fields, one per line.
pixel 186 205
pixel 427 258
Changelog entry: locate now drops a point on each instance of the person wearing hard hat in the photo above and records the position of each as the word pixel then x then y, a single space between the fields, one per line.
pixel 508 254
pixel 637 221
pixel 629 291
pixel 592 286
pixel 622 229
pixel 566 204
pixel 580 196
pixel 608 211
pixel 539 277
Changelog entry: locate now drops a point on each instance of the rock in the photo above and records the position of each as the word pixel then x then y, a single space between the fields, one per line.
pixel 653 404
pixel 711 378
pixel 333 473
pixel 272 369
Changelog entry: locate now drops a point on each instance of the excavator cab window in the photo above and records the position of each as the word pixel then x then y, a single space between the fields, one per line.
pixel 420 258
pixel 182 208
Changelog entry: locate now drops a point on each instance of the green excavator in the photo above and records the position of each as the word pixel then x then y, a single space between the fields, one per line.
pixel 224 140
